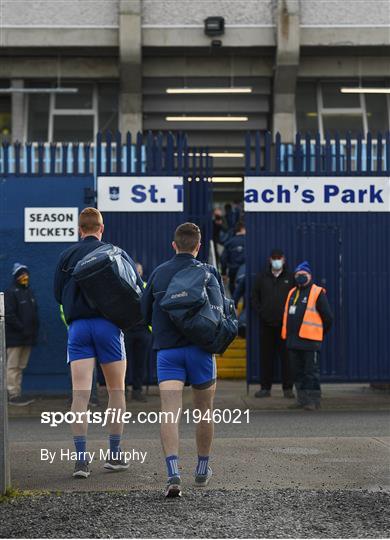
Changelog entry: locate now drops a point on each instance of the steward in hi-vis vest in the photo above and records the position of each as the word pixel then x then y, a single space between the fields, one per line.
pixel 311 326
pixel 307 318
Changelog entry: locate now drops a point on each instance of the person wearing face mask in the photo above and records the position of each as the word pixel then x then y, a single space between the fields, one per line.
pixel 269 295
pixel 21 331
pixel 307 318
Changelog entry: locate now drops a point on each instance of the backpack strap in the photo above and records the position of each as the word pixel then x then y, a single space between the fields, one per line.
pixel 72 252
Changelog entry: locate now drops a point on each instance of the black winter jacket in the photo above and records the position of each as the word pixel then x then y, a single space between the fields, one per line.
pixel 269 295
pixel 21 316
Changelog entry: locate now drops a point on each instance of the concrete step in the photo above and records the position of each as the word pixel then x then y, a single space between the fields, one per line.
pixel 231 373
pixel 238 343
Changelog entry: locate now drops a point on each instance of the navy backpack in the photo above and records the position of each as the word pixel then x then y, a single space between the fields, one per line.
pixel 109 283
pixel 196 306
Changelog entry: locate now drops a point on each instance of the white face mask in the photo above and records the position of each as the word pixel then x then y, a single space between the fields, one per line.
pixel 277 264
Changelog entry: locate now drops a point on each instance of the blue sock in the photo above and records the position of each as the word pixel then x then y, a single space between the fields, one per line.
pixel 115 441
pixel 203 464
pixel 172 466
pixel 80 442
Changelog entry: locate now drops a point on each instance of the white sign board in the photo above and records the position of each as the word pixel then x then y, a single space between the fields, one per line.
pixel 317 194
pixel 140 194
pixel 51 224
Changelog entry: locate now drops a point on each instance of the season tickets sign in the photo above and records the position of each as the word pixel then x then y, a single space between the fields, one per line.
pixel 51 224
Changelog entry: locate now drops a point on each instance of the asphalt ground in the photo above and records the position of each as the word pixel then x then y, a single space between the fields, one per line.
pixel 203 514
pixel 285 474
pixel 324 450
pixel 282 474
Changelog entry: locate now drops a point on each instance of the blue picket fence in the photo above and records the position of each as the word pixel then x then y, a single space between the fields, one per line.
pixel 107 155
pixel 350 156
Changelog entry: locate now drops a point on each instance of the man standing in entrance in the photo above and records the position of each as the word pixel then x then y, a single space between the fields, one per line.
pixel 178 361
pixel 307 317
pixel 269 295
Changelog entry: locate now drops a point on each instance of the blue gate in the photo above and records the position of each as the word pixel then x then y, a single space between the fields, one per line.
pixel 47 370
pixel 64 175
pixel 348 251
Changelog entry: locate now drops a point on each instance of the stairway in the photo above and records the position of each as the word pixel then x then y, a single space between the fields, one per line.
pixel 232 363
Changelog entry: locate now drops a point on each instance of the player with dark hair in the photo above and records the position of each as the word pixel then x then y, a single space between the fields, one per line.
pixel 178 361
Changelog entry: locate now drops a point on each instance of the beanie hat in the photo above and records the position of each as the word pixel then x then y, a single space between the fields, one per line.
pixel 18 269
pixel 304 266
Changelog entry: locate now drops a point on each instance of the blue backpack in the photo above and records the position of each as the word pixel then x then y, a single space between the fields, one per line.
pixel 196 306
pixel 109 283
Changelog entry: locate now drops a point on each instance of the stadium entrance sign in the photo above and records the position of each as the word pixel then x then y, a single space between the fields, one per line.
pixel 140 194
pixel 316 194
pixel 51 224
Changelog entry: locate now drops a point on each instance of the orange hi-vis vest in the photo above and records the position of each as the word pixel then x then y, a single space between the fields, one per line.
pixel 311 327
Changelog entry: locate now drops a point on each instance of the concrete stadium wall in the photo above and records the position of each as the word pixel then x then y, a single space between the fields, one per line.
pixel 173 23
pixel 349 12
pixel 105 13
pixel 262 12
pixel 64 13
pixel 188 12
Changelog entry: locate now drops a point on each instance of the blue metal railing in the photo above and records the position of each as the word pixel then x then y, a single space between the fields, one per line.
pixel 158 153
pixel 65 158
pixel 308 155
pixel 150 153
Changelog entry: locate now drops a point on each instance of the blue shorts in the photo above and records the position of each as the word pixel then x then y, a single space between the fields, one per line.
pixel 189 363
pixel 95 338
